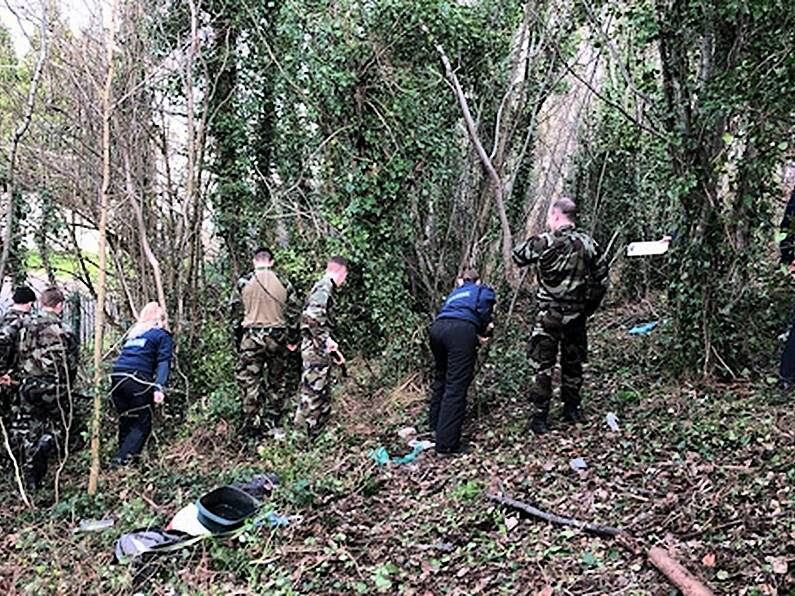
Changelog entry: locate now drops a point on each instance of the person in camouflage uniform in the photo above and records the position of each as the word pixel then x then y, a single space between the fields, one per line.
pixel 48 358
pixel 318 349
pixel 10 324
pixel 572 280
pixel 267 310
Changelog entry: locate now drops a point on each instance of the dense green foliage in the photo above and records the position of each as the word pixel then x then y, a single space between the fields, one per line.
pixel 326 127
pixel 336 133
pixel 704 164
pixel 330 127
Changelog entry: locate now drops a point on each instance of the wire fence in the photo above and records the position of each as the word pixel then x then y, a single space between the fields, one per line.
pixel 80 314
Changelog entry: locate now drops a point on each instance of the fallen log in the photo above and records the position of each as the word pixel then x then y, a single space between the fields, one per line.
pixel 659 558
pixel 676 574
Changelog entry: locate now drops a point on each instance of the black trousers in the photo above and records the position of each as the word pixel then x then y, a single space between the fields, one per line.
pixel 134 400
pixel 786 371
pixel 454 344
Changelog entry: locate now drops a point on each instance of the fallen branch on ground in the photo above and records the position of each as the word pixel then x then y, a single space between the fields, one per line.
pixel 659 558
pixel 676 574
pixel 596 529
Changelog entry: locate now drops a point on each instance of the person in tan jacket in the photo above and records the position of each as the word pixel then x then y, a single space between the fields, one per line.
pixel 268 337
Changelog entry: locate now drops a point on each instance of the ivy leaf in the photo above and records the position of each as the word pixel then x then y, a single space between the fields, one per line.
pixel 590 560
pixel 382 583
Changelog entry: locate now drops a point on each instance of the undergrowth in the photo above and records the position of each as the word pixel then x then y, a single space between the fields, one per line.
pixel 706 470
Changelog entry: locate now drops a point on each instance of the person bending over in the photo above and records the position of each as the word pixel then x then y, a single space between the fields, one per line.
pixel 460 327
pixel 139 378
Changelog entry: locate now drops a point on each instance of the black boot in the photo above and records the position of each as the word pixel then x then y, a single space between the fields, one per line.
pixel 462 449
pixel 572 414
pixel 538 425
pixel 38 464
pixel 253 428
pixel 32 484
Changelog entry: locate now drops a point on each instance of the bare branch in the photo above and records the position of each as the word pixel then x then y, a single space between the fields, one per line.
pixel 17 138
pixel 507 240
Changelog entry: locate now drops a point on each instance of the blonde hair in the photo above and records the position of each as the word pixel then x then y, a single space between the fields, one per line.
pixel 149 317
pixel 470 274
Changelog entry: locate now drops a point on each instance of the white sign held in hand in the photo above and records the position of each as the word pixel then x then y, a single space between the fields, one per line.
pixel 645 249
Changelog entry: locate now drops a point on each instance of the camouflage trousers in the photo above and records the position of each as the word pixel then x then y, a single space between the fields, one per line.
pixel 266 372
pixel 314 399
pixel 7 398
pixel 555 333
pixel 38 424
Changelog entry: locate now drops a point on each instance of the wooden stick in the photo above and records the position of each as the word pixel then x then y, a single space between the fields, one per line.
pixel 516 295
pixel 676 574
pixel 596 529
pixel 99 323
pixel 659 558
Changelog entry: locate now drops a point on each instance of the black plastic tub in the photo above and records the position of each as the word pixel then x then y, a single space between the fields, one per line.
pixel 225 509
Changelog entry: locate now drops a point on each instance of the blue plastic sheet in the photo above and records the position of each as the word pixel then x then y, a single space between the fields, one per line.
pixel 643 329
pixel 274 520
pixel 381 455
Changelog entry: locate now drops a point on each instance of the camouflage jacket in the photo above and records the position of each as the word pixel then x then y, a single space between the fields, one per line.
pixel 318 311
pixel 47 348
pixel 10 325
pixel 571 272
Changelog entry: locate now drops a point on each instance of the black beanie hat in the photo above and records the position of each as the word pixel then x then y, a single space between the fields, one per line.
pixel 23 295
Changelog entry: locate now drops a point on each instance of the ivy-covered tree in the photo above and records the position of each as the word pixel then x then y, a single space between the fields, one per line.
pixel 692 134
pixel 728 76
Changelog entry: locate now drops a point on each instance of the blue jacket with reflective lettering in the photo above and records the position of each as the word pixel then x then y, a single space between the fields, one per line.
pixel 148 354
pixel 470 302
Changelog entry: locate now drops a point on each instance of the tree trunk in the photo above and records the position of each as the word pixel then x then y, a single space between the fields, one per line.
pixel 99 326
pixel 143 237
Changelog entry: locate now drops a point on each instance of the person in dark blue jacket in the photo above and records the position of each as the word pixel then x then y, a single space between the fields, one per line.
pixel 462 324
pixel 138 380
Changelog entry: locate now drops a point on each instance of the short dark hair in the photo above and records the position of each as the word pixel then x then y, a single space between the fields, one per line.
pixel 52 297
pixel 263 254
pixel 23 295
pixel 338 260
pixel 566 206
pixel 470 274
